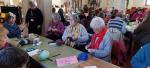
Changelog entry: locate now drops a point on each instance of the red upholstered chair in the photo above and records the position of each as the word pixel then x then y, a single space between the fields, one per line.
pixel 118 53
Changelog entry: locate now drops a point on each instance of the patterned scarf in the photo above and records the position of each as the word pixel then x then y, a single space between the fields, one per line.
pixel 74 31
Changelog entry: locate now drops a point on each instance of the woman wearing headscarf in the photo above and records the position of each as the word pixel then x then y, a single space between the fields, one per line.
pixel 101 42
pixel 75 34
pixel 56 27
pixel 11 26
pixel 34 18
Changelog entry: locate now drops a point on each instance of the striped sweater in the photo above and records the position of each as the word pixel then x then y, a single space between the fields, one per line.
pixel 117 23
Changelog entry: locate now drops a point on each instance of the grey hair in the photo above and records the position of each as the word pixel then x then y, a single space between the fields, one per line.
pixel 56 16
pixel 33 3
pixel 97 23
pixel 75 17
pixel 11 16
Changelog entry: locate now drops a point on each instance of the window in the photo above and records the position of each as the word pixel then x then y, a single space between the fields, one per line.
pixel 147 2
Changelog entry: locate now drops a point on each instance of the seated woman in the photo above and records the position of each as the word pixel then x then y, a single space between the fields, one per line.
pixel 56 27
pixel 142 31
pixel 13 58
pixel 101 42
pixel 75 34
pixel 142 58
pixel 3 38
pixel 14 30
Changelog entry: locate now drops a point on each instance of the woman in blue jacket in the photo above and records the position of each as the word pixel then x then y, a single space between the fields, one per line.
pixel 142 58
pixel 11 26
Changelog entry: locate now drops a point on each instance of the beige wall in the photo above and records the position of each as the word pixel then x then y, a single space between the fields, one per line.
pixel 137 3
pixel 118 4
pixel 45 6
pixel 58 2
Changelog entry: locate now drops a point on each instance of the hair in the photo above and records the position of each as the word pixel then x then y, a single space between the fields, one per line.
pixel 119 14
pixel 13 57
pixel 102 15
pixel 114 13
pixel 56 16
pixel 33 3
pixel 85 9
pixel 75 18
pixel 81 11
pixel 97 23
pixel 11 16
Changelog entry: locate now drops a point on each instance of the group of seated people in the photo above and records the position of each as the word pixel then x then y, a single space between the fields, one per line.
pixel 108 36
pixel 101 44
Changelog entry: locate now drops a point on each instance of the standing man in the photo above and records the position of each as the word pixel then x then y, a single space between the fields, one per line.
pixel 34 18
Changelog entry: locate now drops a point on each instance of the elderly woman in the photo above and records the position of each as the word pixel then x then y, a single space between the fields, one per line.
pixel 56 27
pixel 142 32
pixel 34 18
pixel 101 42
pixel 3 37
pixel 75 34
pixel 11 26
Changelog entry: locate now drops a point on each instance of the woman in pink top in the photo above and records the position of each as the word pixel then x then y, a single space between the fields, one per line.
pixel 56 27
pixel 138 16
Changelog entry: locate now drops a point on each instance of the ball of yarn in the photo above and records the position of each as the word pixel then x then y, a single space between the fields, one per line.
pixel 24 42
pixel 43 55
pixel 83 56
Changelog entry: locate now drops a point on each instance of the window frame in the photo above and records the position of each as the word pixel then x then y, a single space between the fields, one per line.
pixel 146 3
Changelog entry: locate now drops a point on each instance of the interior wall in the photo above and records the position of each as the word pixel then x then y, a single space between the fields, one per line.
pixel 45 6
pixel 118 4
pixel 138 3
pixel 58 2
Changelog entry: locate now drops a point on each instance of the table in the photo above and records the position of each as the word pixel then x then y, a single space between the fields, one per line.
pixel 65 51
pixel 96 62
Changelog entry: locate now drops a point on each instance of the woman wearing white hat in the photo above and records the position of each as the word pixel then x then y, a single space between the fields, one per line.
pixel 11 26
pixel 101 42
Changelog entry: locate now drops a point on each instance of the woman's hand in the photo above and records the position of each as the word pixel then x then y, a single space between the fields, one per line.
pixel 148 66
pixel 87 47
pixel 54 30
